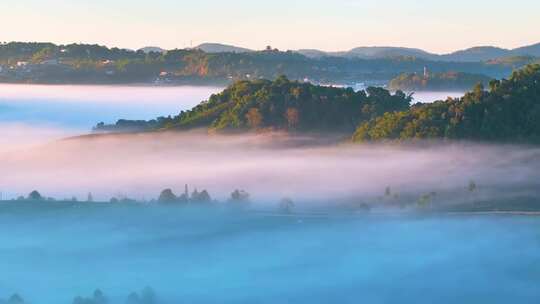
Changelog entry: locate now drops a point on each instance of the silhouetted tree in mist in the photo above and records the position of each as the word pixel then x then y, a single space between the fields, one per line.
pixel 146 296
pixel 286 205
pixel 239 198
pixel 97 298
pixel 167 196
pixel 35 196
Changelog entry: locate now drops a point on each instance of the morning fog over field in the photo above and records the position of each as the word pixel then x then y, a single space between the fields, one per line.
pixel 269 166
pixel 56 251
pixel 36 119
pixel 51 254
pixel 300 165
pixel 269 152
pixel 325 248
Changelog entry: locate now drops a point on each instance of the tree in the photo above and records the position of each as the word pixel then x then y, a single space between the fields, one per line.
pixel 133 298
pixel 239 198
pixel 200 197
pixel 363 207
pixel 148 296
pixel 425 200
pixel 15 299
pixel 35 196
pixel 166 197
pixel 293 118
pixel 99 297
pixel 286 205
pixel 90 198
pixel 43 54
pixel 254 118
pixel 472 186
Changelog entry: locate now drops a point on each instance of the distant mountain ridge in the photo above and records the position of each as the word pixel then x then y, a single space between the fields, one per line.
pixel 152 49
pixel 367 52
pixel 481 53
pixel 474 54
pixel 221 48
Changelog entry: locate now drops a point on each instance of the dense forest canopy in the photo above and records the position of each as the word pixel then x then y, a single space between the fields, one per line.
pixel 83 63
pixel 278 105
pixel 437 81
pixel 508 111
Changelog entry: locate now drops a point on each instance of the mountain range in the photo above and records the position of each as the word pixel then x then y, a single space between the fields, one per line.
pixel 210 48
pixel 152 49
pixel 474 54
pixel 221 48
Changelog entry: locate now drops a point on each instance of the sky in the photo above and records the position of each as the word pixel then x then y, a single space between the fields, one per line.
pixel 439 26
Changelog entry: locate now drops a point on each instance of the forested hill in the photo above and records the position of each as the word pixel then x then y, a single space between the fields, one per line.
pixel 277 105
pixel 83 63
pixel 508 111
pixel 437 81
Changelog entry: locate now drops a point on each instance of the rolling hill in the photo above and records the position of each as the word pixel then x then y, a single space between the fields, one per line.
pixel 474 54
pixel 221 48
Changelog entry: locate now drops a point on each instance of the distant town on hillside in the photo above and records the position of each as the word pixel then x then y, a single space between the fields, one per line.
pixel 212 63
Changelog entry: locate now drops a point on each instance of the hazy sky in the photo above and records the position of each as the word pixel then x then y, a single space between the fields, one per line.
pixel 435 25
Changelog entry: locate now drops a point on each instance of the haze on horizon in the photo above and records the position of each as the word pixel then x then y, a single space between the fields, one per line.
pixel 436 26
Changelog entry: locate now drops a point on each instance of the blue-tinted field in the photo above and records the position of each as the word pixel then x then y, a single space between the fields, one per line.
pixel 51 254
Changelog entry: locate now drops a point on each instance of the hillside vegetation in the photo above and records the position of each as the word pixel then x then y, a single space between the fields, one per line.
pixel 83 63
pixel 508 111
pixel 437 81
pixel 278 105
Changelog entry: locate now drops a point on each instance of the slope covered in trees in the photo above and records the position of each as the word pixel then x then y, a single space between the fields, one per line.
pixel 508 111
pixel 83 63
pixel 278 105
pixel 437 81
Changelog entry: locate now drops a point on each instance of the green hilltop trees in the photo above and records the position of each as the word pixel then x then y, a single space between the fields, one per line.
pixel 508 111
pixel 284 105
pixel 279 105
pixel 437 81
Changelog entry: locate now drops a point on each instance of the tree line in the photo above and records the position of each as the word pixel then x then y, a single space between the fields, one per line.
pixel 145 296
pixel 411 82
pixel 238 198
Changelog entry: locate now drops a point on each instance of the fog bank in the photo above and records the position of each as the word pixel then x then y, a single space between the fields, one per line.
pixel 79 107
pixel 267 166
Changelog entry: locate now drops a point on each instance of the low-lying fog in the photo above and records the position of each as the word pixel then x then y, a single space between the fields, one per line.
pixel 431 96
pixel 269 167
pixel 78 108
pixel 50 255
